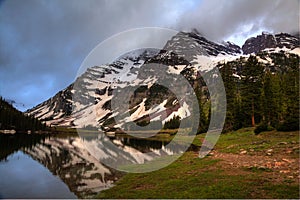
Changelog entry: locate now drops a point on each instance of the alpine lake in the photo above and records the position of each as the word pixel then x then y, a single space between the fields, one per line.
pixel 67 165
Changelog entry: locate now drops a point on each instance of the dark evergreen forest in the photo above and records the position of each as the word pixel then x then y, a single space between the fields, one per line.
pixel 11 118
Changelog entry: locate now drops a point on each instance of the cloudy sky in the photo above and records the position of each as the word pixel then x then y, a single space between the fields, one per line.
pixel 43 43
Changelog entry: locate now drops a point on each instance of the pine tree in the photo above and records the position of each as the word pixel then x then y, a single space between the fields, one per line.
pixel 290 82
pixel 11 118
pixel 203 120
pixel 251 85
pixel 230 85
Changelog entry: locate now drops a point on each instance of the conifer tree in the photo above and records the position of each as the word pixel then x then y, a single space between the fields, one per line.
pixel 251 84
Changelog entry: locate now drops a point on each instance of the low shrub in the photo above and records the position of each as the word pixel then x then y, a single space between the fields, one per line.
pixel 290 125
pixel 262 127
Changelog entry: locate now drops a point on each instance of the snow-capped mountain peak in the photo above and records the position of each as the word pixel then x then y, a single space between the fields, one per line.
pixel 88 100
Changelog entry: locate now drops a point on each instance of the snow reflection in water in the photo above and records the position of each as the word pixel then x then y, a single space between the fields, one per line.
pixel 68 158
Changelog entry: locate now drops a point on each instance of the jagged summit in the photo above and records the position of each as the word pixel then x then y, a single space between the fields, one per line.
pixel 267 40
pixel 189 44
pixel 185 53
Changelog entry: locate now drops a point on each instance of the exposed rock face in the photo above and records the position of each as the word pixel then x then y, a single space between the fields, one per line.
pixel 191 44
pixel 184 54
pixel 287 40
pixel 266 40
pixel 233 47
pixel 58 106
pixel 65 110
pixel 58 109
pixel 184 47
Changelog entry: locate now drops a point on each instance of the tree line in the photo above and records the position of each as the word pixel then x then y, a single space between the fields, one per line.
pixel 260 94
pixel 11 118
pixel 263 95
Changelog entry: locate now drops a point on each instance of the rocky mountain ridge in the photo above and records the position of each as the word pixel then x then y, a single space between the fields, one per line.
pixel 267 40
pixel 184 53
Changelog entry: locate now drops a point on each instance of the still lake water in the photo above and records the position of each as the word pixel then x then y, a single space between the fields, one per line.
pixel 40 166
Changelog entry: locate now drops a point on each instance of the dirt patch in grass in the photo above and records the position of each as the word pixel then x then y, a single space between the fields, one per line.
pixel 274 153
pixel 276 168
pixel 242 165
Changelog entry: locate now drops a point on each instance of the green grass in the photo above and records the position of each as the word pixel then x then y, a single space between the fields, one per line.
pixel 181 176
pixel 192 177
pixel 282 191
pixel 246 139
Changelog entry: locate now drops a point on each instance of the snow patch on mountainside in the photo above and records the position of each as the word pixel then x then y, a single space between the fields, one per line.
pixel 183 52
pixel 207 63
pixel 296 51
pixel 182 112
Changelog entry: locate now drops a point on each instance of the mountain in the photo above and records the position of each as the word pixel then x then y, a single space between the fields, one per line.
pixel 62 110
pixel 58 109
pixel 190 44
pixel 267 40
pixel 87 102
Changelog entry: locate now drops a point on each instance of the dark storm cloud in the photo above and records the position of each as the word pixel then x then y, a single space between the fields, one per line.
pixel 42 43
pixel 241 18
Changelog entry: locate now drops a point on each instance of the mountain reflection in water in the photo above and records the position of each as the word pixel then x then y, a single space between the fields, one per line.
pixel 67 157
